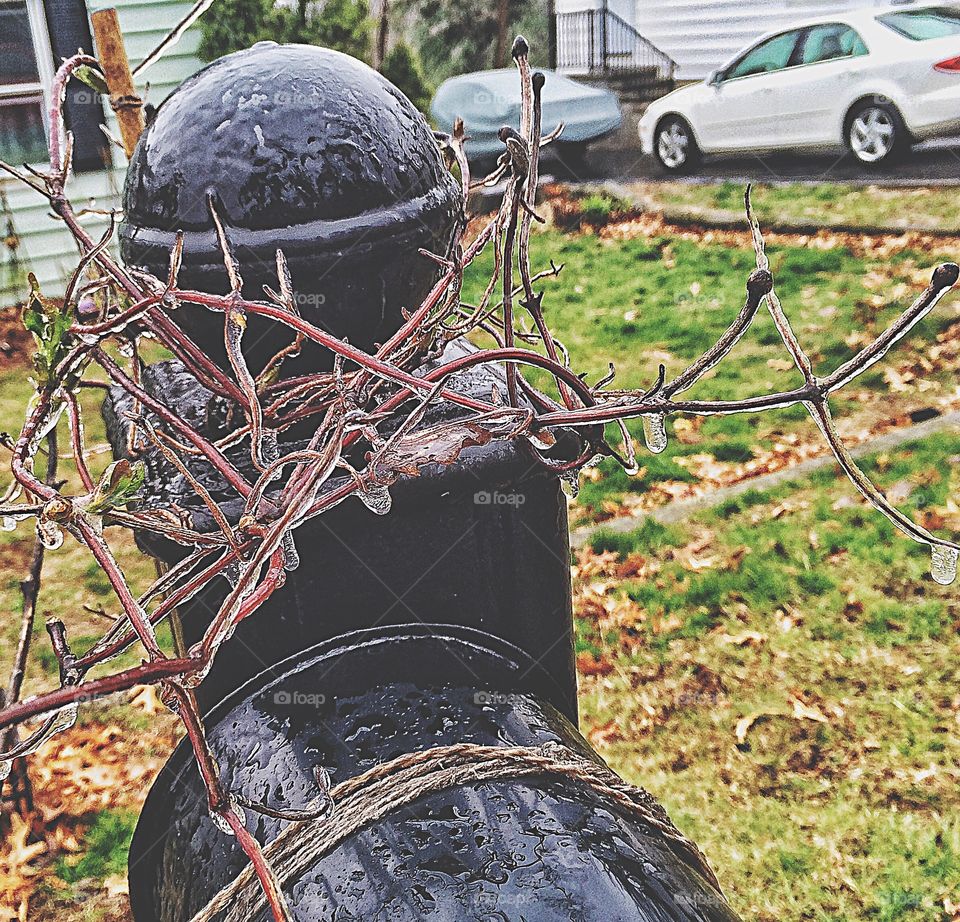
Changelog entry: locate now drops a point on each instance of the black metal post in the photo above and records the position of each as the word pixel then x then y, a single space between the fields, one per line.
pixel 604 51
pixel 551 34
pixel 590 58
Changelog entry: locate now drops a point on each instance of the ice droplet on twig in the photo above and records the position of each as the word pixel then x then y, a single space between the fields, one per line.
pixel 170 702
pixel 5 768
pixel 50 534
pixel 8 523
pixel 570 483
pixel 291 557
pixel 376 498
pixel 943 564
pixel 542 442
pixel 655 433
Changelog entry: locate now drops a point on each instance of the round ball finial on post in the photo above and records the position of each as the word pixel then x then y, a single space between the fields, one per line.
pixel 308 151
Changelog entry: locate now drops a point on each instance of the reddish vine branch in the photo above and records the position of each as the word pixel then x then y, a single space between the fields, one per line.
pixel 347 408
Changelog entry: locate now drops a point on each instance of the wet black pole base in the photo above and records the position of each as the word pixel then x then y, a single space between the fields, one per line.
pixel 532 850
pixel 482 542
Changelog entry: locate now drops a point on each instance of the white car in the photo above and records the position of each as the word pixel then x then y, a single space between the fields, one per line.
pixel 871 82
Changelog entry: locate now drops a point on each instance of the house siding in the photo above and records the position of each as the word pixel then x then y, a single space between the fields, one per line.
pixel 45 246
pixel 701 35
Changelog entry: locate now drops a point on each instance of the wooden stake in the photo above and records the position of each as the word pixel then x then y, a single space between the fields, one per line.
pixel 116 68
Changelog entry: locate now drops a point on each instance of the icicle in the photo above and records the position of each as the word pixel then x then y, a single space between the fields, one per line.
pixel 63 719
pixel 943 564
pixel 655 433
pixel 8 523
pixel 570 483
pixel 270 448
pixel 291 558
pixel 50 534
pixel 376 498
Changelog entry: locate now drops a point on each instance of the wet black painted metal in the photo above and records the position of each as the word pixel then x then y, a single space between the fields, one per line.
pixel 312 152
pixel 303 149
pixel 537 850
pixel 482 542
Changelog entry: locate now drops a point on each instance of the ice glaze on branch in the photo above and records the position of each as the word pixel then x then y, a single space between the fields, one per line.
pixel 366 392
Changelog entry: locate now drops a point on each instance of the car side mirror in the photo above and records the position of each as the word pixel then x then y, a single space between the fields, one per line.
pixel 716 76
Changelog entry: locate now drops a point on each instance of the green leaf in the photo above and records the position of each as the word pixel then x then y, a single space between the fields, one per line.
pixel 49 321
pixel 120 483
pixel 92 78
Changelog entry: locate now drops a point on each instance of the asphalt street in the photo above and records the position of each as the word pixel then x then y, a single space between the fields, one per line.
pixel 935 163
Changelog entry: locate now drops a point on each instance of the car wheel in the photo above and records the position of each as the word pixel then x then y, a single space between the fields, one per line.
pixel 674 145
pixel 876 133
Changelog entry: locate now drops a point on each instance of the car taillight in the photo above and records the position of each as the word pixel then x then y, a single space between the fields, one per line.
pixel 950 66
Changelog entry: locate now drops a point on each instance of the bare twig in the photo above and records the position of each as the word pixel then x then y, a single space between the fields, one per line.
pixel 345 410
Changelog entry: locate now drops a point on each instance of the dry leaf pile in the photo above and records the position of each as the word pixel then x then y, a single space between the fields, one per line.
pixel 76 775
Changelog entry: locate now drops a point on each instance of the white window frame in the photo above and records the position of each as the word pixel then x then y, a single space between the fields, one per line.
pixel 43 53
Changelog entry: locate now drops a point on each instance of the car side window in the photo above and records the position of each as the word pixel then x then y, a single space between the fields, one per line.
pixel 831 42
pixel 772 55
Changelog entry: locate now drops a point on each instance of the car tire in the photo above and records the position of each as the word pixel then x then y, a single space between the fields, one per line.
pixel 876 133
pixel 674 145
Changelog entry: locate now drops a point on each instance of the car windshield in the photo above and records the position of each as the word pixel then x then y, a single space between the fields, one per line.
pixel 920 25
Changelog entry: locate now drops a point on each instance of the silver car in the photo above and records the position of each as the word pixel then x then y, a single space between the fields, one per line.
pixel 487 100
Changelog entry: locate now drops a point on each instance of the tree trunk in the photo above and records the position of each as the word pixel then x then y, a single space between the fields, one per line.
pixel 383 30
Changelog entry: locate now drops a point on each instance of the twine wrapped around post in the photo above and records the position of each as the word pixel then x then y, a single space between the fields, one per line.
pixel 369 797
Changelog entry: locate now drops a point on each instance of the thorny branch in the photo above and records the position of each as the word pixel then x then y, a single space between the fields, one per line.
pixel 109 308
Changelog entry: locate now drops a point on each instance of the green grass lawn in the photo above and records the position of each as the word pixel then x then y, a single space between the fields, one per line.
pixel 799 618
pixel 641 302
pixel 824 203
pixel 73 585
pixel 806 612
